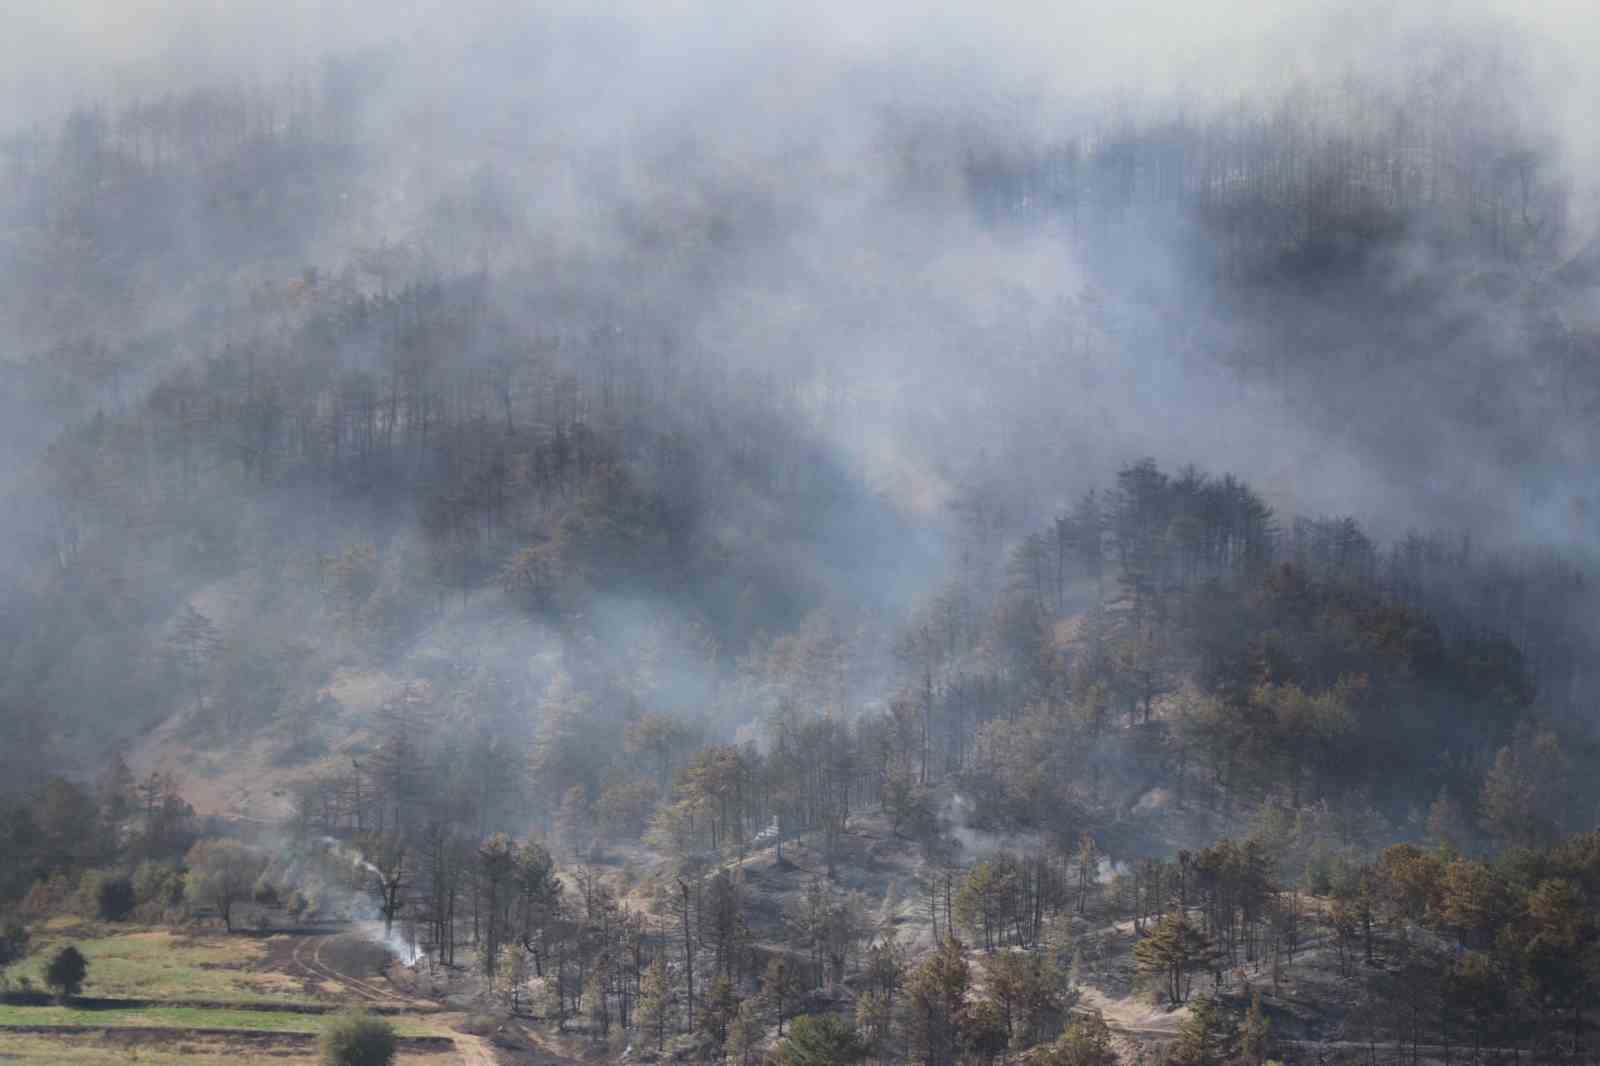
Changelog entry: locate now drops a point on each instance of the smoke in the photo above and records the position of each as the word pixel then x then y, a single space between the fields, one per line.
pixel 355 860
pixel 776 142
pixel 978 844
pixel 402 948
pixel 329 872
pixel 803 203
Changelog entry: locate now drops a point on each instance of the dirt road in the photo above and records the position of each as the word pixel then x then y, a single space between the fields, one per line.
pixel 345 960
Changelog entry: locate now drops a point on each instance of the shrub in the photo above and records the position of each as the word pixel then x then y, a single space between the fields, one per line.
pixel 86 896
pixel 66 972
pixel 115 899
pixel 13 943
pixel 820 1040
pixel 357 1039
pixel 303 904
pixel 158 884
pixel 47 898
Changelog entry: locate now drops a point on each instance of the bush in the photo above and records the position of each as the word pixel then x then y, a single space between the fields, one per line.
pixel 158 884
pixel 85 899
pixel 115 899
pixel 821 1040
pixel 357 1039
pixel 303 904
pixel 66 972
pixel 266 893
pixel 46 899
pixel 13 943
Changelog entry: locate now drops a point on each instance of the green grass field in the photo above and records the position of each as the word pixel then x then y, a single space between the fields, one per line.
pixel 180 967
pixel 162 964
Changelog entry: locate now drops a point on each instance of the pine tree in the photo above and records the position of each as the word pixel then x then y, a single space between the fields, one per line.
pixel 655 1002
pixel 719 1010
pixel 874 1016
pixel 885 964
pixel 1170 951
pixel 1205 1038
pixel 820 1040
pixel 1088 869
pixel 778 989
pixel 1057 939
pixel 937 1001
pixel 114 790
pixel 195 642
pixel 744 1035
pixel 1024 987
pixel 1253 1040
pixel 1086 1042
pixel 572 820
pixel 596 996
pixel 1475 989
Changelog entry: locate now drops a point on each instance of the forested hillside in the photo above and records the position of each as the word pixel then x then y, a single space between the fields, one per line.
pixel 937 557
